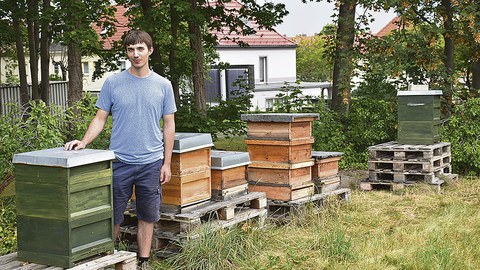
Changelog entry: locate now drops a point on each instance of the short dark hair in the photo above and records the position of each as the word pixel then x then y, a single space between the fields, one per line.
pixel 136 37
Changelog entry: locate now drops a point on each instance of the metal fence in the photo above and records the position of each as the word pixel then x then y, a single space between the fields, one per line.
pixel 11 94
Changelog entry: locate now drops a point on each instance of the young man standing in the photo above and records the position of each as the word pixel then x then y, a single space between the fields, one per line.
pixel 138 99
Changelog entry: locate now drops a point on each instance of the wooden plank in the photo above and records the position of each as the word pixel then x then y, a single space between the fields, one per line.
pixel 126 260
pixel 283 193
pixel 280 165
pixel 280 176
pixel 282 154
pixel 190 162
pixel 187 189
pixel 225 179
pixel 275 130
pixel 280 142
pixel 325 168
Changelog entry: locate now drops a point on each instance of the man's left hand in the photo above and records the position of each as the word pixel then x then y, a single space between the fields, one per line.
pixel 165 174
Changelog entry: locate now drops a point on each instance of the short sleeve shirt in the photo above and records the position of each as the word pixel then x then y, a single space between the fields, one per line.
pixel 137 106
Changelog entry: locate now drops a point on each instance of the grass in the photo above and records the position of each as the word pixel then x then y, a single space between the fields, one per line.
pixel 414 228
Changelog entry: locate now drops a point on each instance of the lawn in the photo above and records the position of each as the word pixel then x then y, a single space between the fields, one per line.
pixel 414 228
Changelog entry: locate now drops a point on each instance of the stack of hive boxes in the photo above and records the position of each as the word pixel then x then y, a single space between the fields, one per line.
pixel 229 174
pixel 418 155
pixel 64 205
pixel 191 175
pixel 325 171
pixel 280 148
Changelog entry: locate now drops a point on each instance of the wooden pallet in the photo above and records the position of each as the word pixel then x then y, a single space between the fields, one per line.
pixel 175 228
pixel 434 164
pixel 386 175
pixel 368 186
pixel 121 260
pixel 395 151
pixel 281 210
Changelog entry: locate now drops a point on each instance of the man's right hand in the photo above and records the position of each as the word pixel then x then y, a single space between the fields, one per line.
pixel 74 145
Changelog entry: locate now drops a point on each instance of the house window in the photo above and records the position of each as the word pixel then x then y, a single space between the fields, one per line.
pixel 263 69
pixel 85 67
pixel 269 102
pixel 56 68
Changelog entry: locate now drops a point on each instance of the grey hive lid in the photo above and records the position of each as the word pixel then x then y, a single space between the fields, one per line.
pixel 420 93
pixel 321 154
pixel 222 160
pixel 185 142
pixel 58 157
pixel 277 117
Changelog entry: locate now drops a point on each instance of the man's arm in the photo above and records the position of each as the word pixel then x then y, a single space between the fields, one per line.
pixel 168 139
pixel 94 129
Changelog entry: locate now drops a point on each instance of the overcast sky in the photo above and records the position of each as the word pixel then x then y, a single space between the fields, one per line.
pixel 311 17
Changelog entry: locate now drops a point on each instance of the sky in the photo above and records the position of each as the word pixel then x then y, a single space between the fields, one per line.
pixel 311 17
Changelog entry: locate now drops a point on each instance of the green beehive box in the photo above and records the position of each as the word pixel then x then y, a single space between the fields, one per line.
pixel 64 205
pixel 419 117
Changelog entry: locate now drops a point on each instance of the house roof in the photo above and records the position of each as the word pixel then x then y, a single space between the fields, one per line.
pixel 262 37
pixel 121 25
pixel 394 24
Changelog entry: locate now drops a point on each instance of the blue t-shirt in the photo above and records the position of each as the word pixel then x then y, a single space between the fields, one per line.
pixel 137 106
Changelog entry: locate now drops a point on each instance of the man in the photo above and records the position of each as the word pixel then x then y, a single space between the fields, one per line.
pixel 138 99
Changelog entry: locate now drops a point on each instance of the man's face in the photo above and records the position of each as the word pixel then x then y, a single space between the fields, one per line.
pixel 138 54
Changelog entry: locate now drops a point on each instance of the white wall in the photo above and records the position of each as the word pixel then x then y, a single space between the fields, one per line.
pixel 281 62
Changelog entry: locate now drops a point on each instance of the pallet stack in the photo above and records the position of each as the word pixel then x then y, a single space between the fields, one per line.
pixel 325 171
pixel 398 164
pixel 191 176
pixel 418 155
pixel 229 174
pixel 280 148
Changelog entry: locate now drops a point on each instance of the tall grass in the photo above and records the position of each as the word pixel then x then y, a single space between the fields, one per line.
pixel 414 228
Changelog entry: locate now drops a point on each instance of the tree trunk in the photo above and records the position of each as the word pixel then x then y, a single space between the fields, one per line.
pixel 343 65
pixel 156 57
pixel 197 63
pixel 476 77
pixel 45 40
pixel 449 50
pixel 75 76
pixel 22 70
pixel 172 57
pixel 32 25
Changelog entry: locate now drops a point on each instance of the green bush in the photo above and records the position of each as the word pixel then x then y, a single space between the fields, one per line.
pixel 8 226
pixel 463 132
pixel 222 119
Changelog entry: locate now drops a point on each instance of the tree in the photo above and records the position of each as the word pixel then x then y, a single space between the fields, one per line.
pixel 343 64
pixel 313 65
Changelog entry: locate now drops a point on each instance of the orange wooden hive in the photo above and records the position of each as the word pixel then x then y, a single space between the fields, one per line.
pixel 280 148
pixel 229 174
pixel 191 176
pixel 326 164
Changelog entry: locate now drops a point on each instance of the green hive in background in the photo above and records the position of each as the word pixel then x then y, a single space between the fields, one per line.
pixel 419 116
pixel 64 205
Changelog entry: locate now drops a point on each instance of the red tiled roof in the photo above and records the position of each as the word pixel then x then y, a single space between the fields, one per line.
pixel 121 26
pixel 394 24
pixel 262 37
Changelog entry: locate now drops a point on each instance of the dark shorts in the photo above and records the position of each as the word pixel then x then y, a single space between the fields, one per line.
pixel 148 191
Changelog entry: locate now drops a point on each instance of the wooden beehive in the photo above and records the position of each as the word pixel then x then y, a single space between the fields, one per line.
pixel 229 169
pixel 418 117
pixel 191 176
pixel 326 164
pixel 280 148
pixel 64 205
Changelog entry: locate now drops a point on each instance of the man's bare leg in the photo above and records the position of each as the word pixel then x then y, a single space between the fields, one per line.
pixel 144 238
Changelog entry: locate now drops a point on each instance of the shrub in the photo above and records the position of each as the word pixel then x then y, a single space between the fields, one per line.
pixel 462 131
pixel 8 226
